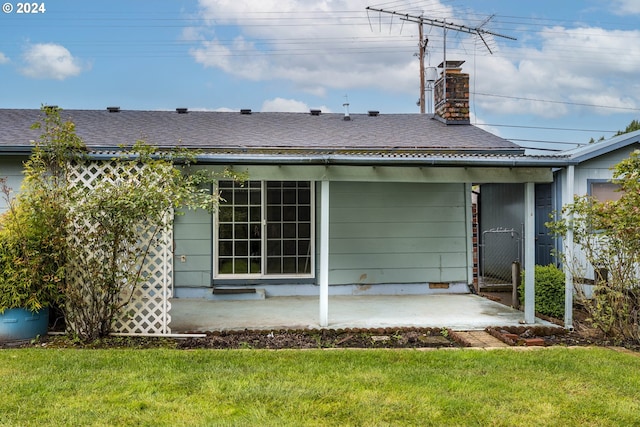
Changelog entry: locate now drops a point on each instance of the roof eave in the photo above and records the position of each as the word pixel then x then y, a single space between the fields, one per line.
pixel 346 160
pixel 16 150
pixel 493 159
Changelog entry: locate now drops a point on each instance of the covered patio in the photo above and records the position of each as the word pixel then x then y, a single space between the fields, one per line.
pixel 461 312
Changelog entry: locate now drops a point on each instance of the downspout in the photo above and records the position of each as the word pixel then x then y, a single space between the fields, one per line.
pixel 568 252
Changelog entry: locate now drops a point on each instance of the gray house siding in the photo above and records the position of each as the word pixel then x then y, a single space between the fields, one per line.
pixel 599 168
pixel 11 168
pixel 595 169
pixel 380 234
pixel 397 233
pixel 193 233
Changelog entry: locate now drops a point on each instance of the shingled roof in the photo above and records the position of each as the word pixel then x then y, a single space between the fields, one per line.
pixel 396 137
pixel 258 130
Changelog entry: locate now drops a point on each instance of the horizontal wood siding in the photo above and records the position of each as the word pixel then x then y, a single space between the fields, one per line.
pixel 598 169
pixel 397 233
pixel 609 160
pixel 192 239
pixel 11 168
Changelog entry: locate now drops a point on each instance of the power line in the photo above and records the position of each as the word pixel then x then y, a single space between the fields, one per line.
pixel 546 142
pixel 546 128
pixel 580 104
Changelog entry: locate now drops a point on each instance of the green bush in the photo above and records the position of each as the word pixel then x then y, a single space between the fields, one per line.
pixel 31 258
pixel 549 285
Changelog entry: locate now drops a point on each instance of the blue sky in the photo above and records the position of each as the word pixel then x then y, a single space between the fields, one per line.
pixel 572 73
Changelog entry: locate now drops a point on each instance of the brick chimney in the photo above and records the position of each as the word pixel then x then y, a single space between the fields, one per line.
pixel 452 104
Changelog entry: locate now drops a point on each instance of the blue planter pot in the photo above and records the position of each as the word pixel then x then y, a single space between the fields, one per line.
pixel 21 324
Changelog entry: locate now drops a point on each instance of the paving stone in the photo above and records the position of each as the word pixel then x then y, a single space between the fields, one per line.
pixel 480 339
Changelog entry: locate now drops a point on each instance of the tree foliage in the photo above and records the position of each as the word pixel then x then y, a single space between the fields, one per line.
pixel 608 234
pixel 633 126
pixel 105 231
pixel 31 251
pixel 33 229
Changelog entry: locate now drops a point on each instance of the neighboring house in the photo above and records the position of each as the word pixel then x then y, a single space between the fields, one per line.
pixel 501 206
pixel 335 204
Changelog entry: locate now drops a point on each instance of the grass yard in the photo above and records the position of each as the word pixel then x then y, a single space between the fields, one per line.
pixel 157 387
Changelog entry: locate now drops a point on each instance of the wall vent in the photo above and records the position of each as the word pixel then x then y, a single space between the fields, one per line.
pixel 113 109
pixel 182 110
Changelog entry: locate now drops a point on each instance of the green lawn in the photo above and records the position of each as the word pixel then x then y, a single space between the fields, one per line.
pixel 156 387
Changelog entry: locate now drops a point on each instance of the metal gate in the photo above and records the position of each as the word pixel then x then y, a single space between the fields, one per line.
pixel 499 249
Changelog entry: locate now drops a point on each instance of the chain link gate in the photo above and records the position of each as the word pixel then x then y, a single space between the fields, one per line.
pixel 499 248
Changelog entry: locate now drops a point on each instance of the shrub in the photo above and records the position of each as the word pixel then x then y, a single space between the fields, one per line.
pixel 549 284
pixel 91 241
pixel 31 251
pixel 606 235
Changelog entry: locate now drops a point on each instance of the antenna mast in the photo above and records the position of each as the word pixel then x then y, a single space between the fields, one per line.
pixel 422 44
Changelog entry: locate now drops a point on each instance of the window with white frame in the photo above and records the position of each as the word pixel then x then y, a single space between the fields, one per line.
pixel 265 228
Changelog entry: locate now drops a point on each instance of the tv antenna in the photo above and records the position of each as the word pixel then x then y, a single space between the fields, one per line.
pixel 422 43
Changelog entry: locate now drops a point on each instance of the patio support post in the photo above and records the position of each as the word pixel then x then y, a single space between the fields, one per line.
pixel 568 252
pixel 468 190
pixel 529 252
pixel 324 253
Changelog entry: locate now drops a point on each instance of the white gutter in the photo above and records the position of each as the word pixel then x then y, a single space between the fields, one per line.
pixel 365 160
pixel 395 158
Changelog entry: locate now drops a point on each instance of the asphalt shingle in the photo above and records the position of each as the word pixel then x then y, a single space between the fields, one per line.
pixel 233 130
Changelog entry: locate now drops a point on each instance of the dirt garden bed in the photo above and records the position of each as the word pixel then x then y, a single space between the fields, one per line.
pixel 582 335
pixel 277 339
pixel 326 338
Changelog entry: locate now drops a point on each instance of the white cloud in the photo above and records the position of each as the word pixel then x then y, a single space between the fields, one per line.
pixel 483 125
pixel 3 59
pixel 623 7
pixel 319 45
pixel 284 106
pixel 50 61
pixel 219 110
pixel 239 58
pixel 575 68
pixel 314 45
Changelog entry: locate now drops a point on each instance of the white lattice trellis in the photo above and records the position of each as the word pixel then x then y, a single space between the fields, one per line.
pixel 148 311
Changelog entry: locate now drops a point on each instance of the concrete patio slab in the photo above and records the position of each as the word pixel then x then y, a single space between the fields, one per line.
pixel 458 312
